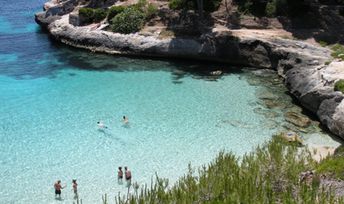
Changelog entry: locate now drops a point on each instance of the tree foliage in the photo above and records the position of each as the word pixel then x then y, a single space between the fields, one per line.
pixel 129 21
pixel 206 5
pixel 273 8
pixel 114 10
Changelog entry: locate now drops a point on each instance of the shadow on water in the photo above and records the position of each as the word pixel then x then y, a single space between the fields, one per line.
pixel 47 59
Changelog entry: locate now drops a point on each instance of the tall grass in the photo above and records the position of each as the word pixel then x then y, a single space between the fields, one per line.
pixel 270 174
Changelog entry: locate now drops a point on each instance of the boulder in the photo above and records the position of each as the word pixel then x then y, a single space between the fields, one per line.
pixel 297 119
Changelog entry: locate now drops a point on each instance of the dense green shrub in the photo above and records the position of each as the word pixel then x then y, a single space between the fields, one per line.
pixel 89 15
pixel 151 10
pixel 86 14
pixel 271 8
pixel 339 85
pixel 99 15
pixel 129 21
pixel 208 5
pixel 114 10
pixel 177 4
pixel 338 51
pixel 148 9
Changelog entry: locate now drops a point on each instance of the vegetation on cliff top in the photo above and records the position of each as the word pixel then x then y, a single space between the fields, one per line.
pixel 132 18
pixel 273 8
pixel 129 21
pixel 339 85
pixel 270 174
pixel 89 15
pixel 205 5
pixel 338 51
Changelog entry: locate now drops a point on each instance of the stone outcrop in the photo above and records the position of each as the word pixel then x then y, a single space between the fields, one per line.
pixel 306 69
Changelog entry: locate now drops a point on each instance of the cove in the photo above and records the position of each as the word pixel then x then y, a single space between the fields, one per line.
pixel 51 98
pixel 177 116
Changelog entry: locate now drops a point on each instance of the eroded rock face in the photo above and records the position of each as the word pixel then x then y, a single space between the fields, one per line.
pixel 297 119
pixel 300 64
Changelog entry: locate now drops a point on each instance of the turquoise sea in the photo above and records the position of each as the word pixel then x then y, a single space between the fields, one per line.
pixel 51 97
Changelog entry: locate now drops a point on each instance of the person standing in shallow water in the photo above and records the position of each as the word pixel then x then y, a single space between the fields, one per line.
pixel 75 188
pixel 127 176
pixel 125 120
pixel 120 175
pixel 58 187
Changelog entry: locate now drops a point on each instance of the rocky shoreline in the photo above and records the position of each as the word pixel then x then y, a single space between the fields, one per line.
pixel 309 71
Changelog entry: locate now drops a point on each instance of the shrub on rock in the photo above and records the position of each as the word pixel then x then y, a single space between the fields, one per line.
pixel 339 85
pixel 129 21
pixel 86 15
pixel 99 15
pixel 113 11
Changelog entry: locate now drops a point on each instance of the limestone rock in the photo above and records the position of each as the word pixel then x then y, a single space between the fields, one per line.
pixel 297 119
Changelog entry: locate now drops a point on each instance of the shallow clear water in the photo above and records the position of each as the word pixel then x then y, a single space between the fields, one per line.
pixel 52 96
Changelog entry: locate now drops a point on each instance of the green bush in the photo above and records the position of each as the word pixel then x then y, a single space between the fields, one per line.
pixel 339 85
pixel 271 9
pixel 177 4
pixel 129 21
pixel 148 9
pixel 86 14
pixel 322 43
pixel 99 15
pixel 338 51
pixel 114 10
pixel 208 5
pixel 151 10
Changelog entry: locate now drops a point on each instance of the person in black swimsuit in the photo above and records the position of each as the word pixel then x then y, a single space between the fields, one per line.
pixel 120 175
pixel 58 188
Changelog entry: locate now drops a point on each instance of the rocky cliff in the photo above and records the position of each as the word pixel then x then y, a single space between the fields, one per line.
pixel 306 68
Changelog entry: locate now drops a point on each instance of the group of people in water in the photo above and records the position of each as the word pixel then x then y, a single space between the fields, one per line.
pixel 58 186
pixel 127 175
pixel 102 126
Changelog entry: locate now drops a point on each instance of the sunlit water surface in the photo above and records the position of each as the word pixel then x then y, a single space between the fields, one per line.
pixel 51 98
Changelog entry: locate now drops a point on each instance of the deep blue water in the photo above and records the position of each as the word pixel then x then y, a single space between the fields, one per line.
pixel 51 97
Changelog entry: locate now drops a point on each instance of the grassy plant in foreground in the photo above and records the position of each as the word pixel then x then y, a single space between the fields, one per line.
pixel 270 174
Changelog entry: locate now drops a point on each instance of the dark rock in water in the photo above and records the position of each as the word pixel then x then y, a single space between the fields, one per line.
pixel 291 127
pixel 266 113
pixel 273 104
pixel 297 119
pixel 264 94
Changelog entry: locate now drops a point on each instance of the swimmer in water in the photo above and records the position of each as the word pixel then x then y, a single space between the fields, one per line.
pixel 58 187
pixel 120 175
pixel 127 176
pixel 75 188
pixel 125 120
pixel 101 125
